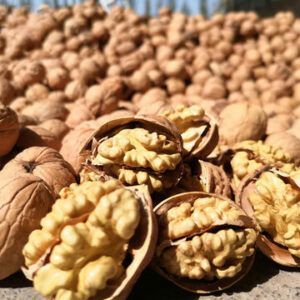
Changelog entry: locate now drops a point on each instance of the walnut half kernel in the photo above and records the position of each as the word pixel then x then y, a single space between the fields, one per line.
pixel 273 199
pixel 138 150
pixel 80 249
pixel 199 132
pixel 206 242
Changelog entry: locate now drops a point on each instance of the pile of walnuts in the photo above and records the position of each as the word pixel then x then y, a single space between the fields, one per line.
pixel 128 141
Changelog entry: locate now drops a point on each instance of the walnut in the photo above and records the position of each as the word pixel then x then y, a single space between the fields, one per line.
pixel 242 121
pixel 137 150
pixel 279 123
pixel 7 91
pixel 74 141
pixel 9 129
pixel 271 197
pixel 203 176
pixel 45 163
pixel 199 132
pixel 103 99
pixel 37 92
pixel 289 143
pixel 33 135
pixel 46 110
pixel 249 156
pixel 57 127
pixel 195 251
pixel 92 228
pixel 79 113
pixel 24 200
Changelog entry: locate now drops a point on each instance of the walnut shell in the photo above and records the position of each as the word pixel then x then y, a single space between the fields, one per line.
pixel 24 200
pixel 74 141
pixel 31 136
pixel 242 121
pixel 46 110
pixel 45 163
pixel 103 98
pixel 157 128
pixel 275 251
pixel 139 239
pixel 287 142
pixel 79 113
pixel 9 129
pixel 203 176
pixel 199 131
pixel 57 127
pixel 230 218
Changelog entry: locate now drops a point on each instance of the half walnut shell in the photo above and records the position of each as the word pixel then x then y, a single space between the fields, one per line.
pixel 203 176
pixel 126 226
pixel 137 150
pixel 271 197
pixel 206 242
pixel 199 130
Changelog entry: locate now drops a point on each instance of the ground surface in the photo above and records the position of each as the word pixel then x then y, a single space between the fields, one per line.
pixel 266 280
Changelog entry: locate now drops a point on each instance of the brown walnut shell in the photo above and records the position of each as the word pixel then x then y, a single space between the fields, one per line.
pixel 9 129
pixel 31 136
pixel 111 123
pixel 267 246
pixel 24 200
pixel 74 141
pixel 45 163
pixel 192 285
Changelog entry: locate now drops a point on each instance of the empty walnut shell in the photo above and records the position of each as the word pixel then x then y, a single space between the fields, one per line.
pixel 45 163
pixel 203 176
pixel 195 228
pixel 9 129
pixel 137 150
pixel 24 200
pixel 269 196
pixel 198 130
pixel 116 244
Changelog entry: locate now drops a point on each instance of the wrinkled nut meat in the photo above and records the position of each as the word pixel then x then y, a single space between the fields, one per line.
pixel 251 155
pixel 138 150
pixel 199 132
pixel 87 240
pixel 273 199
pixel 206 242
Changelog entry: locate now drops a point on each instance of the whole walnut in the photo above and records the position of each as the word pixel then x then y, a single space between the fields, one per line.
pixel 32 135
pixel 24 200
pixel 46 110
pixel 56 127
pixel 9 129
pixel 242 121
pixel 7 91
pixel 279 123
pixel 103 98
pixel 286 141
pixel 79 113
pixel 45 163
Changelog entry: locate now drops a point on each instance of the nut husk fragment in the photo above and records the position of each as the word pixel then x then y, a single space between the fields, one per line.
pixel 148 150
pixel 272 198
pixel 193 221
pixel 123 234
